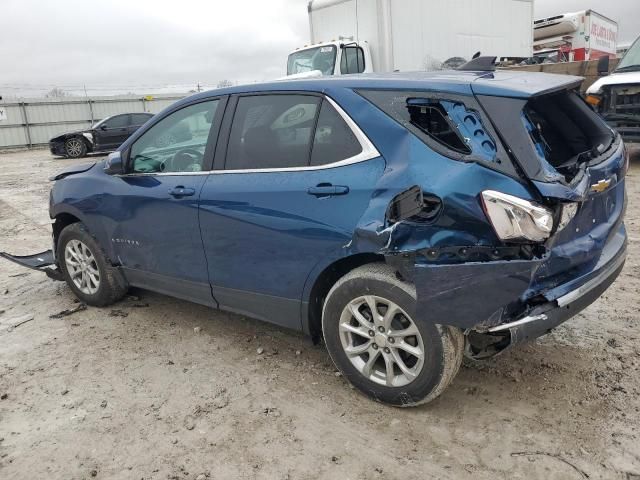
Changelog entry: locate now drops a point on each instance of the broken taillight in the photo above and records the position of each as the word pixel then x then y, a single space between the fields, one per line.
pixel 514 218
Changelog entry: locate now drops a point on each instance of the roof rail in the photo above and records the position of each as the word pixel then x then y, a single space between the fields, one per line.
pixel 480 64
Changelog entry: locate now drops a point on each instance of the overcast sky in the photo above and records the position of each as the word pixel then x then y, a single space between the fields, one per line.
pixel 144 45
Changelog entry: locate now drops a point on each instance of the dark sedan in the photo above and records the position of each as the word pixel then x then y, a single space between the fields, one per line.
pixel 104 136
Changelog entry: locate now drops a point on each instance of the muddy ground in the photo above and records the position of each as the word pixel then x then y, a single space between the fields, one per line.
pixel 158 388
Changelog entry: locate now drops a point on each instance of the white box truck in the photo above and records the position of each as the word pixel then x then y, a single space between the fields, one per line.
pixel 355 36
pixel 577 36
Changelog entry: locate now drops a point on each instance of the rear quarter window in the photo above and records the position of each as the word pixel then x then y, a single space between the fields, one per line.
pixel 452 125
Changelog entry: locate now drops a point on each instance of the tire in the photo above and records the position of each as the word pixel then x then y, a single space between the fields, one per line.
pixel 75 147
pixel 99 283
pixel 441 347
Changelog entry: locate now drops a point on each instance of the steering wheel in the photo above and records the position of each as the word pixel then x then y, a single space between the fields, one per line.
pixel 186 160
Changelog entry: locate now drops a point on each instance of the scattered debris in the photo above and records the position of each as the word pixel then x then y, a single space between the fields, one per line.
pixel 93 473
pixel 189 422
pixel 271 412
pixel 613 343
pixel 298 352
pixel 140 305
pixel 170 362
pixel 71 311
pixel 202 476
pixel 552 455
pixel 16 322
pixel 337 374
pixel 4 396
pixel 260 351
pixel 118 313
pixel 64 392
pixel 23 274
pixel 104 404
pixel 197 329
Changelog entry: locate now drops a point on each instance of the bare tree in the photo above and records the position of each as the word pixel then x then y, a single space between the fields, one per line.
pixel 225 83
pixel 56 93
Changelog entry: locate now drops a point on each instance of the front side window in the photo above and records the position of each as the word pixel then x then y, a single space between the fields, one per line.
pixel 272 131
pixel 177 143
pixel 352 60
pixel 318 58
pixel 631 60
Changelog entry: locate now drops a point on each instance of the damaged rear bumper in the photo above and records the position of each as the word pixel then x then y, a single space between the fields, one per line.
pixel 43 262
pixel 503 298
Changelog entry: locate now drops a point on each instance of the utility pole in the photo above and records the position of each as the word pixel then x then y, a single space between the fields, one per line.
pixel 199 88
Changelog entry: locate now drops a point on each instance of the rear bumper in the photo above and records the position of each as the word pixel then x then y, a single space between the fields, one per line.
pixel 499 297
pixel 543 318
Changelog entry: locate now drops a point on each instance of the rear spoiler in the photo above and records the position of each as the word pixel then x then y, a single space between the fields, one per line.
pixel 510 83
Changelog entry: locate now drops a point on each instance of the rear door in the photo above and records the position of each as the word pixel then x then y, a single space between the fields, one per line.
pixel 136 120
pixel 287 195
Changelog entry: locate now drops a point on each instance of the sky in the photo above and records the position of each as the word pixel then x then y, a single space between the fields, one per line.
pixel 151 46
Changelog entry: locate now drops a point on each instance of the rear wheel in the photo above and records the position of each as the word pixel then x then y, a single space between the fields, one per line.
pixel 375 340
pixel 86 268
pixel 75 148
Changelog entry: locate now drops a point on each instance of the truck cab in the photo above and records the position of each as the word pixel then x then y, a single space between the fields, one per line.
pixel 617 96
pixel 330 58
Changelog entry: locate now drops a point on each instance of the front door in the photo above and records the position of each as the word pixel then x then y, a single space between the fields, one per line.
pixel 156 235
pixel 279 208
pixel 112 133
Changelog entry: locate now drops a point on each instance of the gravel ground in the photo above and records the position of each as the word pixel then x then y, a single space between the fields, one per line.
pixel 158 388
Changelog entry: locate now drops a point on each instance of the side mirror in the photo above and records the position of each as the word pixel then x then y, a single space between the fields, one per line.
pixel 114 165
pixel 103 127
pixel 603 66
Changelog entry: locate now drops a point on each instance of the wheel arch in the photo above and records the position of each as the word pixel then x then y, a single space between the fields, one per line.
pixel 62 220
pixel 312 309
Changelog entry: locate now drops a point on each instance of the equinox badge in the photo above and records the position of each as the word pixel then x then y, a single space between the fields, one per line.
pixel 601 186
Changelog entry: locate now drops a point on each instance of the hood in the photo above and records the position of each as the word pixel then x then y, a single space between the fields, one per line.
pixel 614 79
pixel 72 170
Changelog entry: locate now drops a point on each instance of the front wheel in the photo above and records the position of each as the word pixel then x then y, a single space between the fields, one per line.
pixel 374 339
pixel 86 268
pixel 75 148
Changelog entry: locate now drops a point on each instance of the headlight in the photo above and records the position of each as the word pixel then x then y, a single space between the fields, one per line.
pixel 514 218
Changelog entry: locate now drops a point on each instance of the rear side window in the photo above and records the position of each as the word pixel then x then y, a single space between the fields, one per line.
pixel 352 60
pixel 272 131
pixel 449 124
pixel 118 121
pixel 334 140
pixel 139 118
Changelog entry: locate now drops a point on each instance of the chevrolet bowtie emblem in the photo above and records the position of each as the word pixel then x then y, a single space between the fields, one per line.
pixel 601 186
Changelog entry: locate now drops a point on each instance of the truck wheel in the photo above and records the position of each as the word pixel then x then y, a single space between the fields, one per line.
pixel 376 341
pixel 86 269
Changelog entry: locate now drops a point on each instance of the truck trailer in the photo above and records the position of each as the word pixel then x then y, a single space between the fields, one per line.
pixel 577 36
pixel 356 36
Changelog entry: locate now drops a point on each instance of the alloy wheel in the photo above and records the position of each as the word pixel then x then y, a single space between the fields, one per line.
pixel 381 341
pixel 82 267
pixel 73 147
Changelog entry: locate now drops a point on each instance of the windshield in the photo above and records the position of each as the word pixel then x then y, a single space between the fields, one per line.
pixel 631 59
pixel 319 58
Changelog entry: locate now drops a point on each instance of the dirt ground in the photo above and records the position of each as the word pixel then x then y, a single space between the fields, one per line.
pixel 158 388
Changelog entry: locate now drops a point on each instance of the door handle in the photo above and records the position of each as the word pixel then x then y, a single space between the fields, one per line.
pixel 180 191
pixel 328 190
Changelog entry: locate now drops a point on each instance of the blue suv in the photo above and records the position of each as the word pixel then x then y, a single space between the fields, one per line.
pixel 406 219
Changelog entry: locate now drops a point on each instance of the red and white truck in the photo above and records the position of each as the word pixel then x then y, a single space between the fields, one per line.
pixel 577 36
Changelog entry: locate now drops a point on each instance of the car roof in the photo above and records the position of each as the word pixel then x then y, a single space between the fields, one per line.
pixel 505 83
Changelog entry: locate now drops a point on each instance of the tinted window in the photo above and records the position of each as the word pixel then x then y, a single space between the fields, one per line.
pixel 118 121
pixel 334 140
pixel 352 60
pixel 177 143
pixel 139 118
pixel 272 131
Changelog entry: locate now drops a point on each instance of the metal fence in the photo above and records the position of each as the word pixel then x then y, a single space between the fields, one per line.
pixel 33 122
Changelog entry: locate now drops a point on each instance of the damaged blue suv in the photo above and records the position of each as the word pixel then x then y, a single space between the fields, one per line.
pixel 406 219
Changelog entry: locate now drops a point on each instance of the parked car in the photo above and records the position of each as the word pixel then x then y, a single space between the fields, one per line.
pixel 103 136
pixel 406 219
